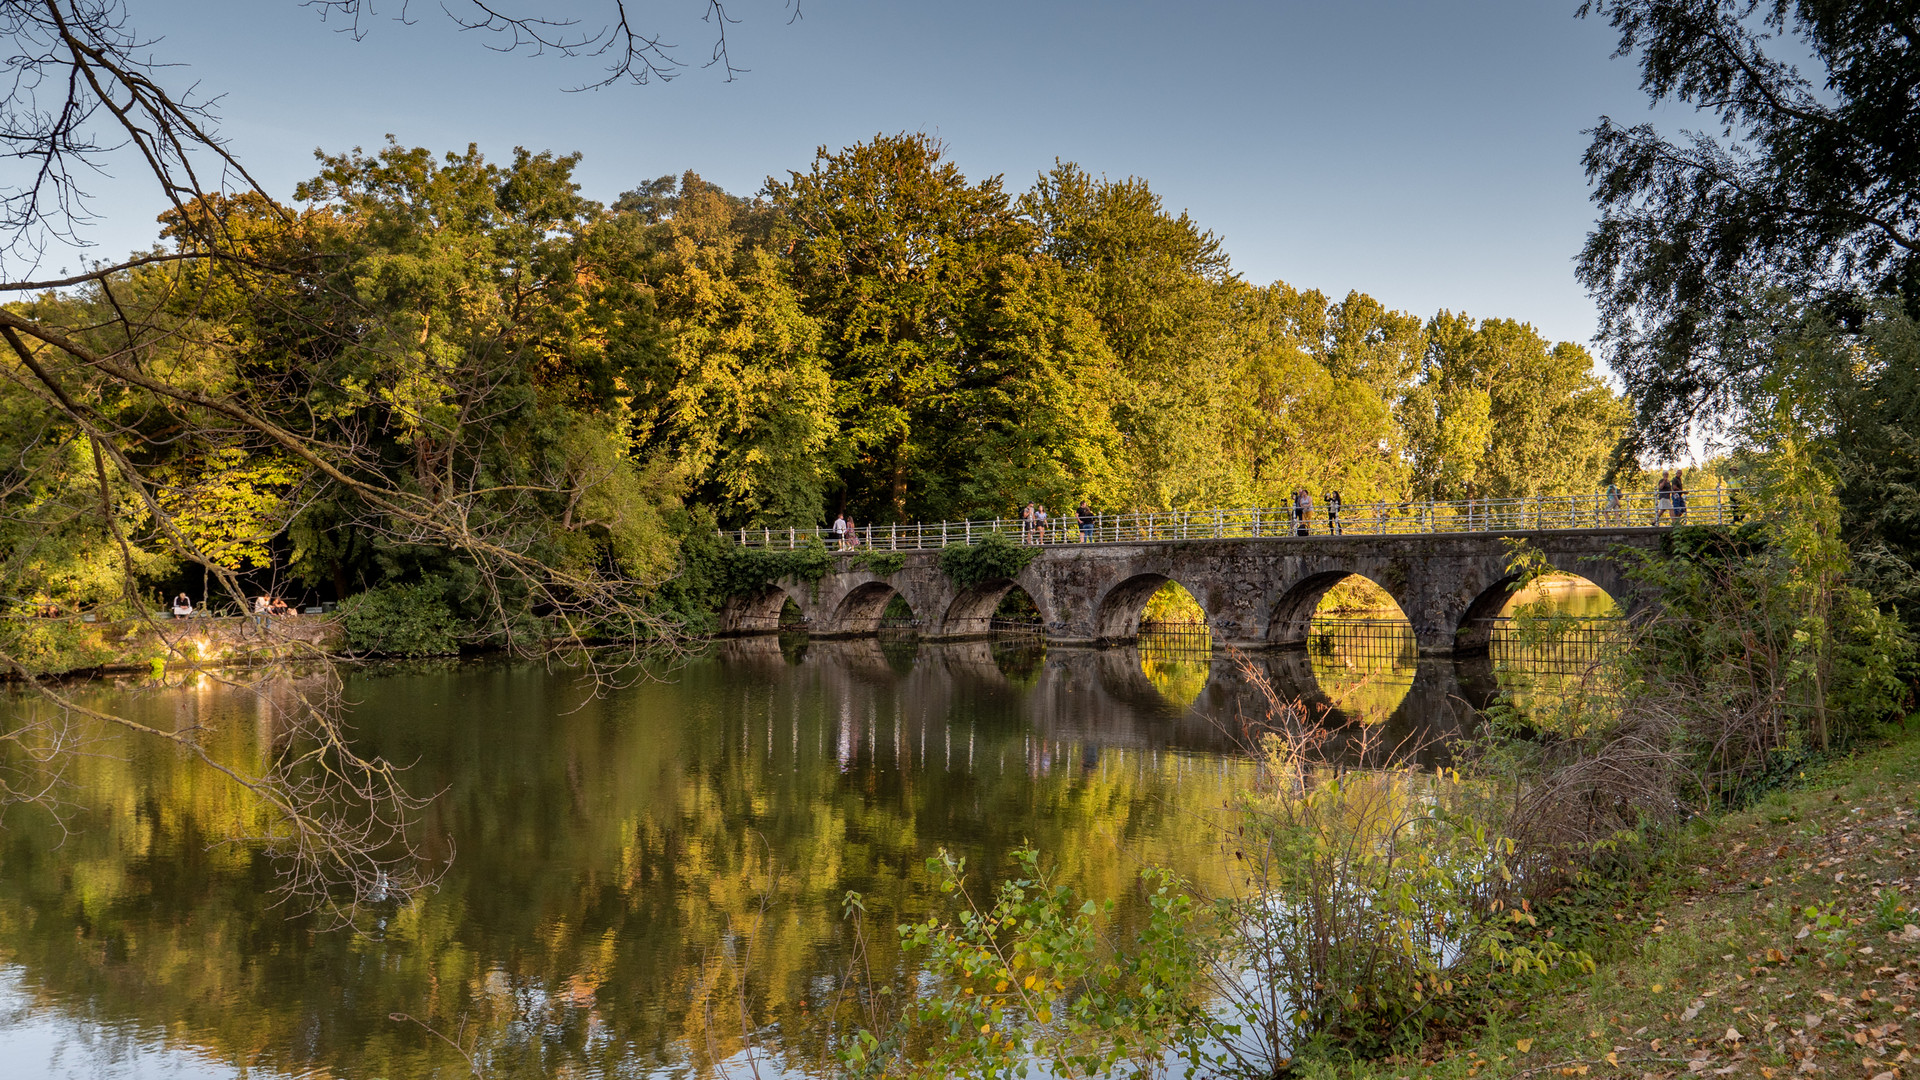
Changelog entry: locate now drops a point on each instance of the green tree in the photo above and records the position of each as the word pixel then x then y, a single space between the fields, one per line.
pixel 1157 285
pixel 1502 414
pixel 1808 201
pixel 741 397
pixel 946 340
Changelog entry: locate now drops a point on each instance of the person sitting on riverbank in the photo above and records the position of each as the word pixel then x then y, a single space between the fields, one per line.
pixel 182 606
pixel 279 609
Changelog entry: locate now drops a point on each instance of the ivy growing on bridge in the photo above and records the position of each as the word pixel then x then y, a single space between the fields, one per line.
pixel 878 563
pixel 994 557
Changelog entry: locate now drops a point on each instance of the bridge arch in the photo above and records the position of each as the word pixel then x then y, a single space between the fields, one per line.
pixel 757 611
pixel 1118 610
pixel 971 610
pixel 1475 632
pixel 859 611
pixel 1292 615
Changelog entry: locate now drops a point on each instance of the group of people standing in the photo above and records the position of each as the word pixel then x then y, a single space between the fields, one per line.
pixel 1033 522
pixel 1670 498
pixel 182 606
pixel 1303 512
pixel 846 535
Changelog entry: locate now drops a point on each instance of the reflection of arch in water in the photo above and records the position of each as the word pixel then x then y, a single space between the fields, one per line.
pixel 1478 623
pixel 860 610
pixel 972 610
pixel 1118 611
pixel 1178 665
pixel 1364 667
pixel 1431 713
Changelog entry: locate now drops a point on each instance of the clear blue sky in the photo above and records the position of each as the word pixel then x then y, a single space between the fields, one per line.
pixel 1424 152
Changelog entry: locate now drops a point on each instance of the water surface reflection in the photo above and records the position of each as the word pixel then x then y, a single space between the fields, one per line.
pixel 630 866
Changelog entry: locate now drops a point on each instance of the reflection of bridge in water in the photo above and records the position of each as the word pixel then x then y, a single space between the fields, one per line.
pixel 1082 701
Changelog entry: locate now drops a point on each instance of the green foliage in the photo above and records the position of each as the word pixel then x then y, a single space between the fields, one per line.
pixel 714 569
pixel 993 558
pixel 1172 604
pixel 403 620
pixel 878 563
pixel 1034 978
pixel 1379 904
pixel 570 386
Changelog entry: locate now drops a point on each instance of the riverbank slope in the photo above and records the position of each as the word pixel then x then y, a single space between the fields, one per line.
pixel 1779 940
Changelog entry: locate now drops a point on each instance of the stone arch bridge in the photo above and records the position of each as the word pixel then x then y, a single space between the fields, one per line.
pixel 1257 593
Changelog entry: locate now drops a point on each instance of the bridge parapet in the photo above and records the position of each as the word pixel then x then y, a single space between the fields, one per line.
pixel 1539 513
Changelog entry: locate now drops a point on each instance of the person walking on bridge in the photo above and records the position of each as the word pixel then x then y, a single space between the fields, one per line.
pixel 1302 512
pixel 1333 512
pixel 1085 514
pixel 1662 498
pixel 1678 492
pixel 839 531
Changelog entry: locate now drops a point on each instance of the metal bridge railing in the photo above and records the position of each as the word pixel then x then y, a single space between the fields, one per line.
pixel 1635 509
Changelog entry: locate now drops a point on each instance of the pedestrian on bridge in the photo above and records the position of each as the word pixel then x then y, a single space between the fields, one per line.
pixel 1662 498
pixel 1302 512
pixel 1333 512
pixel 1679 494
pixel 839 530
pixel 1040 523
pixel 1613 503
pixel 1085 514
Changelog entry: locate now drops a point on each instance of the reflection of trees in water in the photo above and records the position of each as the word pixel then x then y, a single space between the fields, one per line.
pixel 1177 659
pixel 609 849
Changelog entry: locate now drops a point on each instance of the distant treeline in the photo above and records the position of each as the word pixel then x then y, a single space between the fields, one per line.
pixel 589 386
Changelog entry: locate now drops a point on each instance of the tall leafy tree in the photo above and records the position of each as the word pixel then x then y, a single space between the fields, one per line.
pixel 1813 185
pixel 1500 413
pixel 1799 219
pixel 913 273
pixel 740 397
pixel 1158 285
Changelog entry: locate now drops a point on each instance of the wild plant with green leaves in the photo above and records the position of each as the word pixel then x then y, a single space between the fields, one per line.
pixel 1379 903
pixel 1035 979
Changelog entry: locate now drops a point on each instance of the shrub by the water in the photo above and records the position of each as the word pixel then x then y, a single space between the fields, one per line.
pixel 402 620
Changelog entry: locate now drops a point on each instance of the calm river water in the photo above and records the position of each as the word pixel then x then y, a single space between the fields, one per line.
pixel 631 867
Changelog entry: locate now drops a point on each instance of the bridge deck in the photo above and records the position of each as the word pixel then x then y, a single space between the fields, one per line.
pixel 1539 514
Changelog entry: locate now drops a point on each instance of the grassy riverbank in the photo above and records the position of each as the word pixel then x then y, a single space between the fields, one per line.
pixel 1711 965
